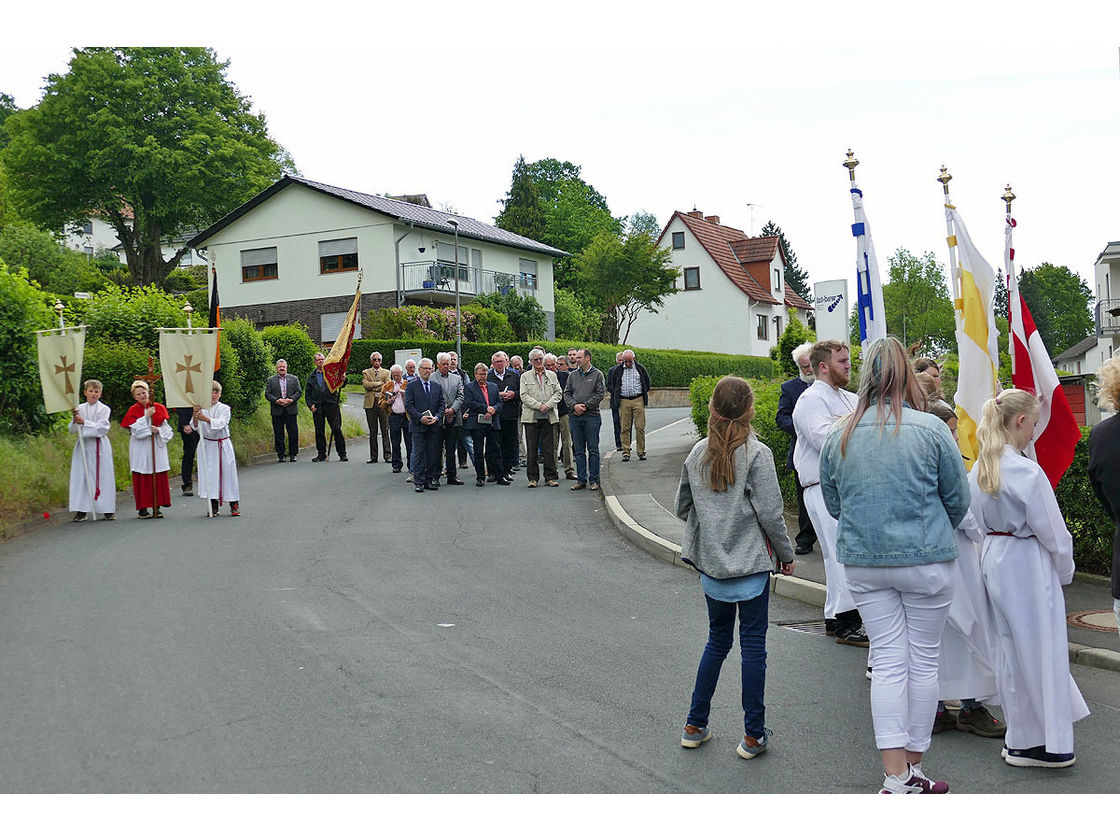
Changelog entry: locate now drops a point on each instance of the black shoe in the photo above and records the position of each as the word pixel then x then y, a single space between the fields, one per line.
pixel 504 482
pixel 491 478
pixel 372 461
pixel 626 457
pixel 396 469
pixel 144 513
pixel 281 458
pixel 1037 757
pixel 944 720
pixel 803 549
pixel 830 626
pixel 480 482
pixel 188 489
pixel 457 482
pixel 854 636
pixel 318 459
pixel 431 486
pixel 419 488
pixel 642 457
pixel 343 458
pixel 462 466
pixel 80 516
pixel 293 459
pixel 109 516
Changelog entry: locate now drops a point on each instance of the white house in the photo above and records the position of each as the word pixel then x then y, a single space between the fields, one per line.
pixel 96 234
pixel 292 253
pixel 733 296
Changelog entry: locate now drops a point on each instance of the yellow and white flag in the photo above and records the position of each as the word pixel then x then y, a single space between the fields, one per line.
pixel 187 363
pixel 977 337
pixel 60 367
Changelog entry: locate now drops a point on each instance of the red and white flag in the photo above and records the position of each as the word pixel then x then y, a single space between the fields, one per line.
pixel 1057 433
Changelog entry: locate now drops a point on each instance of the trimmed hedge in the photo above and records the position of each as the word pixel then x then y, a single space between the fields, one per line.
pixel 667 368
pixel 292 344
pixel 1086 519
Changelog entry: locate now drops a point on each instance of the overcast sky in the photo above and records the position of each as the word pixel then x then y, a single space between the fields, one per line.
pixel 670 106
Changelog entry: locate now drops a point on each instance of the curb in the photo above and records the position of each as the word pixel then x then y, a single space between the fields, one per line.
pixel 788 586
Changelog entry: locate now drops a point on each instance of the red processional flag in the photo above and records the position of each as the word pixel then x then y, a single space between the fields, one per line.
pixel 1057 432
pixel 334 368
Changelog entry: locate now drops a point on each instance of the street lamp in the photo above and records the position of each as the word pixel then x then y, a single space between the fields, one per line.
pixel 458 314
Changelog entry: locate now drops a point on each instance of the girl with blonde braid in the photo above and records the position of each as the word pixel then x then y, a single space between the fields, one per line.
pixel 1027 557
pixel 730 499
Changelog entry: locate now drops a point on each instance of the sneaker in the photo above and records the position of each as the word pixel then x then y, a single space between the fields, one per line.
pixel 594 485
pixel 830 626
pixel 626 456
pixel 144 513
pixel 641 456
pixel 234 510
pixel 868 674
pixel 750 747
pixel 855 636
pixel 188 489
pixel 980 722
pixel 1037 757
pixel 943 720
pixel 157 513
pixel 927 784
pixel 693 740
pixel 109 516
pixel 80 516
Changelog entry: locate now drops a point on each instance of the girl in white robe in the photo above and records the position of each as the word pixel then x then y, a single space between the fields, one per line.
pixel 90 421
pixel 218 479
pixel 1027 556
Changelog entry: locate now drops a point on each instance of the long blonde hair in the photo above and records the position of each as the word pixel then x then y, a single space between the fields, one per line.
pixel 729 427
pixel 994 432
pixel 888 380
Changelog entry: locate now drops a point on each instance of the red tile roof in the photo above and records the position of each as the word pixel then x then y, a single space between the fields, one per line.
pixel 734 252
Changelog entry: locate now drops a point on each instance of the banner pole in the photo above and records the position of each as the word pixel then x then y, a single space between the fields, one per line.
pixel 950 238
pixel 59 308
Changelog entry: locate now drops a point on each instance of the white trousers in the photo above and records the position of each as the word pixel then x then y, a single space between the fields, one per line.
pixel 837 599
pixel 904 610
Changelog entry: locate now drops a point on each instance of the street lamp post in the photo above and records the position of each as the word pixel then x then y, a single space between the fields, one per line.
pixel 458 314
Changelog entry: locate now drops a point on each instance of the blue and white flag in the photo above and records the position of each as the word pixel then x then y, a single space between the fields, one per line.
pixel 869 289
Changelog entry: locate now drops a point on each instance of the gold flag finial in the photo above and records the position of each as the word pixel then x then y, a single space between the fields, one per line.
pixel 1008 197
pixel 945 178
pixel 850 164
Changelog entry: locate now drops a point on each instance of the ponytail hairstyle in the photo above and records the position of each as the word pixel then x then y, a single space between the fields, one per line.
pixel 729 426
pixel 994 432
pixel 887 380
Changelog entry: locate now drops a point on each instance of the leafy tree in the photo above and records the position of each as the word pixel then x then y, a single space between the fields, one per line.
pixel 7 108
pixel 526 317
pixel 156 134
pixel 428 323
pixel 574 321
pixel 1059 301
pixel 291 343
pixel 253 359
pixel 625 277
pixel 645 223
pixel 521 210
pixel 917 303
pixel 793 335
pixel 134 315
pixel 23 309
pixel 51 266
pixel 796 276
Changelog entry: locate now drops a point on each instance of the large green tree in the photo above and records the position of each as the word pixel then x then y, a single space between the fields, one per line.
pixel 156 140
pixel 1059 301
pixel 623 277
pixel 7 108
pixel 521 210
pixel 796 276
pixel 918 304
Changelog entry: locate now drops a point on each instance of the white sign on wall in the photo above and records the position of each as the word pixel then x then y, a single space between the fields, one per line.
pixel 402 356
pixel 831 303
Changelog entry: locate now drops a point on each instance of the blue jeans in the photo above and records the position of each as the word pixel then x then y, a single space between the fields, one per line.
pixel 753 615
pixel 585 435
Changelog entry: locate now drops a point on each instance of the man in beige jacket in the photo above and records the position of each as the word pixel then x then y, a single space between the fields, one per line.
pixel 540 394
pixel 377 417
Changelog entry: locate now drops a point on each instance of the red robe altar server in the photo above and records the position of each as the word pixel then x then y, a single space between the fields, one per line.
pixel 147 421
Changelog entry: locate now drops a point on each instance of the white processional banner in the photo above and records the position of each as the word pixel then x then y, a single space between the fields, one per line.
pixel 60 368
pixel 187 364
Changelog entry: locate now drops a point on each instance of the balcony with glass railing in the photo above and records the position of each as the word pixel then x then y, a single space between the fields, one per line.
pixel 435 281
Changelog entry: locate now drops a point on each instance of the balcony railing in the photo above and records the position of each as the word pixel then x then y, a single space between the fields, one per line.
pixel 438 277
pixel 1108 316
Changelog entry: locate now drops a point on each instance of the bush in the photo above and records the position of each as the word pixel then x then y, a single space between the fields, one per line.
pixel 53 267
pixel 793 335
pixel 23 309
pixel 488 325
pixel 242 401
pixel 117 365
pixel 1086 519
pixel 133 315
pixel 252 358
pixel 574 322
pixel 292 344
pixel 426 322
pixel 526 316
pixel 667 368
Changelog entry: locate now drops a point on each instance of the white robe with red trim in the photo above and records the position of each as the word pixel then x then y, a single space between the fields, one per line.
pixel 218 478
pixel 99 462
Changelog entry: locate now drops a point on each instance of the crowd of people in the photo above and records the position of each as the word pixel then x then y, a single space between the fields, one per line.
pixel 952 579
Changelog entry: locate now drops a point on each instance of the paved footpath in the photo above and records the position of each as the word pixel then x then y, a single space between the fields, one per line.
pixel 348 635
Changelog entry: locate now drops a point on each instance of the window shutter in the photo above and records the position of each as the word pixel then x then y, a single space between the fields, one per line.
pixel 338 247
pixel 330 325
pixel 258 256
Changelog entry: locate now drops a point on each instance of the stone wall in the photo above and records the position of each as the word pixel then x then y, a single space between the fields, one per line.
pixel 308 312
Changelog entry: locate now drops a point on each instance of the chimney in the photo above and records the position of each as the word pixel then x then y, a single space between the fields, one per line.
pixel 713 219
pixel 696 214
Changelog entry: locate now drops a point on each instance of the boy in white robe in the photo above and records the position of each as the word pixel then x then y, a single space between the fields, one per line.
pixel 1026 558
pixel 218 479
pixel 90 421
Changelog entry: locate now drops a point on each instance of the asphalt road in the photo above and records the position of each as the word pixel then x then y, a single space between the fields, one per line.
pixel 349 635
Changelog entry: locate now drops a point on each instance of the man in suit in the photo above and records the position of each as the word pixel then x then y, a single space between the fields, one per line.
pixel 509 389
pixel 377 418
pixel 482 406
pixel 540 394
pixel 629 390
pixel 424 404
pixel 323 403
pixel 792 389
pixel 451 420
pixel 283 392
pixel 189 437
pixel 559 366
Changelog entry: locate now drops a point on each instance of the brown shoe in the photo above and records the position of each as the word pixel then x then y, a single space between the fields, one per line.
pixel 532 484
pixel 980 722
pixel 570 475
pixel 578 486
pixel 594 485
pixel 552 483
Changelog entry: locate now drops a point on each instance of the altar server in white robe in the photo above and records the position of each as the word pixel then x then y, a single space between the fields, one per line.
pixel 90 420
pixel 1027 557
pixel 218 481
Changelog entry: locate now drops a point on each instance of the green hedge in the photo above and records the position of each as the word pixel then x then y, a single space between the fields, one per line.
pixel 667 368
pixel 1086 519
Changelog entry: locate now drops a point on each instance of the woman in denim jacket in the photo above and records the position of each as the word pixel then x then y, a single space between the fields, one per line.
pixel 731 502
pixel 892 476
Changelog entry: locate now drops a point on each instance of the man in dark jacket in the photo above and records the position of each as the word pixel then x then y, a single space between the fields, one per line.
pixel 608 377
pixel 509 389
pixel 283 392
pixel 323 403
pixel 792 389
pixel 559 366
pixel 628 384
pixel 190 444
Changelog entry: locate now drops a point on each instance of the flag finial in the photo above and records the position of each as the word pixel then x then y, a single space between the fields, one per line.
pixel 945 178
pixel 850 164
pixel 1008 197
